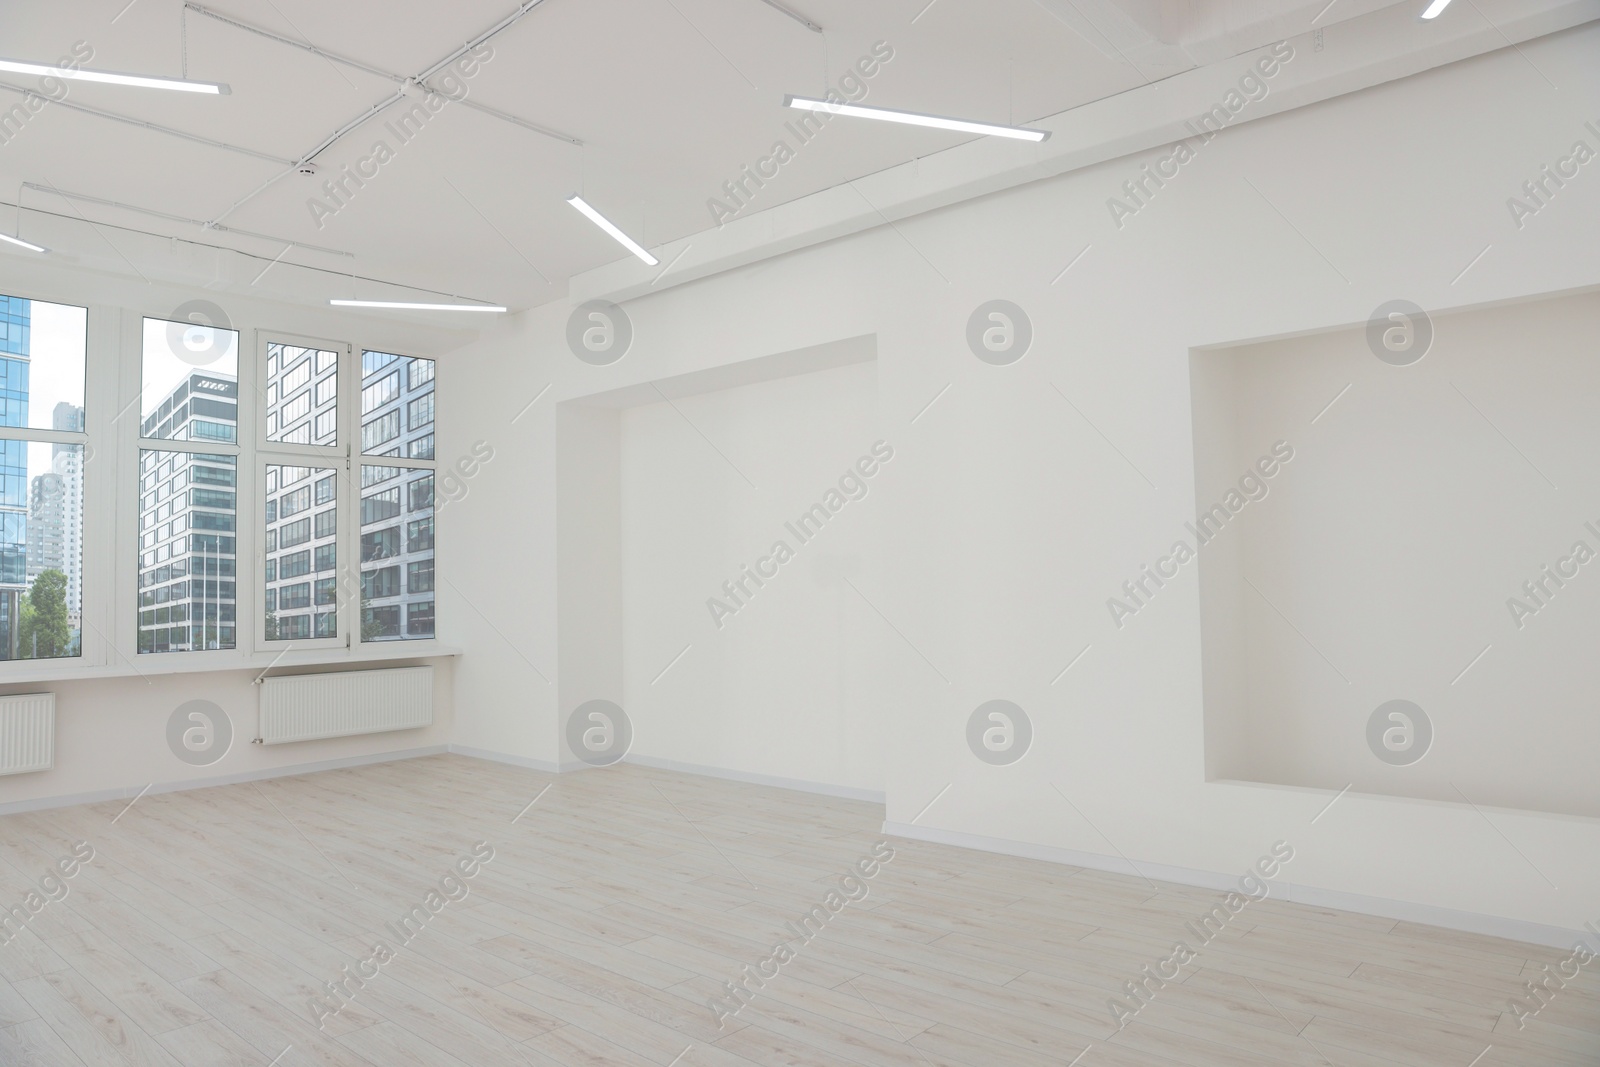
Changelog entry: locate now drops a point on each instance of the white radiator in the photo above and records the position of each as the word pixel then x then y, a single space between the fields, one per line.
pixel 27 733
pixel 305 707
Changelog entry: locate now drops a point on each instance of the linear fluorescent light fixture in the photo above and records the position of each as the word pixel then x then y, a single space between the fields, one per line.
pixel 137 81
pixel 912 118
pixel 30 246
pixel 607 225
pixel 404 305
pixel 1436 9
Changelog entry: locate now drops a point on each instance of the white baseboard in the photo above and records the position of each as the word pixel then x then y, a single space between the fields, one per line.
pixel 844 792
pixel 17 807
pixel 526 762
pixel 1313 896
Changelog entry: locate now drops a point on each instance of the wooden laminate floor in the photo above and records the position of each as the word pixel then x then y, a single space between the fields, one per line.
pixel 620 902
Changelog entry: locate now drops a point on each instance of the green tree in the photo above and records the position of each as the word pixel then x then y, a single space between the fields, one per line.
pixel 44 630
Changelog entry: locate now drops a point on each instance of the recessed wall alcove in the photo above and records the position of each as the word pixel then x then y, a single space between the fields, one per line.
pixel 1384 560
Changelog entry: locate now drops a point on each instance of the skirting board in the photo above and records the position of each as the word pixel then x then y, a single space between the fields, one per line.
pixel 17 807
pixel 526 762
pixel 1312 896
pixel 844 792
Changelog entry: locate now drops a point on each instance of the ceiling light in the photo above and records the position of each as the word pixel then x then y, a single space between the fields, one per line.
pixel 138 81
pixel 607 225
pixel 408 306
pixel 912 118
pixel 1436 9
pixel 20 242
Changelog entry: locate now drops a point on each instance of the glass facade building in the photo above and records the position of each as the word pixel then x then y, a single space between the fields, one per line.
pixel 188 516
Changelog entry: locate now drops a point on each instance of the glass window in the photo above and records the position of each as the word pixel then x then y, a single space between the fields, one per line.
pixel 189 386
pixel 419 619
pixel 420 494
pixel 419 535
pixel 384 428
pixel 206 622
pixel 291 401
pixel 396 402
pixel 419 412
pixel 307 520
pixel 397 559
pixel 419 576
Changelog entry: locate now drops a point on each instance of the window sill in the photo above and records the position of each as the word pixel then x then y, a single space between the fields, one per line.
pixel 154 665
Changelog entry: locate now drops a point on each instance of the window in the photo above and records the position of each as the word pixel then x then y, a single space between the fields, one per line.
pixel 293 503
pixel 379 623
pixel 307 520
pixel 380 544
pixel 294 533
pixel 292 398
pixel 375 507
pixel 421 447
pixel 272 571
pixel 326 590
pixel 384 428
pixel 420 494
pixel 420 374
pixel 381 393
pixel 419 412
pixel 419 619
pixel 392 550
pixel 383 582
pixel 207 623
pixel 419 535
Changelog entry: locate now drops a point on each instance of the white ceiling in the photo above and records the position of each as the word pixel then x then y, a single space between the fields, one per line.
pixel 669 97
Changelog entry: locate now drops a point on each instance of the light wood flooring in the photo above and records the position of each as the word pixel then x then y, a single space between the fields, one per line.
pixel 620 902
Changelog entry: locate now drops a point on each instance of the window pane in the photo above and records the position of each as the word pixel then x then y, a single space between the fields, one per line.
pixel 303 395
pixel 396 405
pixel 307 521
pixel 190 562
pixel 396 553
pixel 190 383
pixel 42 350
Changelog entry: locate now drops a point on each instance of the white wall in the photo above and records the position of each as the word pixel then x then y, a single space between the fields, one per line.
pixel 1024 497
pixel 777 688
pixel 1413 511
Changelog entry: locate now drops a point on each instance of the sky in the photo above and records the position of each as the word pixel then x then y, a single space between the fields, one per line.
pixel 174 350
pixel 56 372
